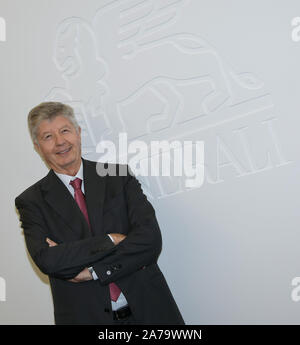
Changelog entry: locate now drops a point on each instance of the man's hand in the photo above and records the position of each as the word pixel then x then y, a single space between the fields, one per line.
pixel 50 242
pixel 83 276
pixel 117 238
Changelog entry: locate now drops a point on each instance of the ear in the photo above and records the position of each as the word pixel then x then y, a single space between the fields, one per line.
pixel 79 133
pixel 36 147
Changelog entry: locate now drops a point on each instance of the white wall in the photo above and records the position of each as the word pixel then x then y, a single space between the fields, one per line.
pixel 225 72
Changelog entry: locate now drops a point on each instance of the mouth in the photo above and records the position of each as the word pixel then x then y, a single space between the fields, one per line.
pixel 61 153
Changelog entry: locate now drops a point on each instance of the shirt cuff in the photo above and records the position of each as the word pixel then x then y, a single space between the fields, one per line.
pixel 94 275
pixel 111 238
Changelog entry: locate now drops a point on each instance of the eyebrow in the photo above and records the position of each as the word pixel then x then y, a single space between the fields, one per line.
pixel 44 133
pixel 65 126
pixel 47 132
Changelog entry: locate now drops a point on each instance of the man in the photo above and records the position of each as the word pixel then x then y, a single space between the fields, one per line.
pixel 97 238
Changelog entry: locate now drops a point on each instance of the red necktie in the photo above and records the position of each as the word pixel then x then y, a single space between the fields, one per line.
pixel 80 200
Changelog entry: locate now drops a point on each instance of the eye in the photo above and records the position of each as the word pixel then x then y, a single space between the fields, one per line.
pixel 48 136
pixel 65 130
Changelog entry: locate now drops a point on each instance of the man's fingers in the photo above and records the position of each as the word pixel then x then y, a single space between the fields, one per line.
pixel 73 280
pixel 50 242
pixel 117 238
pixel 82 276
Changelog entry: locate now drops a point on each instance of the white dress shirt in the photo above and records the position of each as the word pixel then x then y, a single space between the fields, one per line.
pixel 66 179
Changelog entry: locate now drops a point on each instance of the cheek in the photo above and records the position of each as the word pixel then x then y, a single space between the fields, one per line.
pixel 77 143
pixel 47 150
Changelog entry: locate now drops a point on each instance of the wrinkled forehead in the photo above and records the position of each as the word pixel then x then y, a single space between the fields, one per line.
pixel 54 124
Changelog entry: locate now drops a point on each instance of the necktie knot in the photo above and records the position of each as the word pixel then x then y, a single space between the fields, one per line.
pixel 76 184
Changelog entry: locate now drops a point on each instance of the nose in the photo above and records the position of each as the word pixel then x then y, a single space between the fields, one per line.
pixel 59 140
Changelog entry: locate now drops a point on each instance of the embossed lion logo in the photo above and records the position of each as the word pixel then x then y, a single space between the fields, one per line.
pixel 131 69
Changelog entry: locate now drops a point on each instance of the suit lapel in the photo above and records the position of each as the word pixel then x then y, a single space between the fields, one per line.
pixel 60 199
pixel 94 187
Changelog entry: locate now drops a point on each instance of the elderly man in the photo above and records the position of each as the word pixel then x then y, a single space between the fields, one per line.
pixel 96 237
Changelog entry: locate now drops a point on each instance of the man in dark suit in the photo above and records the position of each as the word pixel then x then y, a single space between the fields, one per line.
pixel 96 237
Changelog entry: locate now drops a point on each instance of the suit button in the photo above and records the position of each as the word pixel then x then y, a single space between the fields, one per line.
pixel 116 267
pixel 108 272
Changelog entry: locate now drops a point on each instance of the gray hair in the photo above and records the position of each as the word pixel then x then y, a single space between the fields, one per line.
pixel 48 111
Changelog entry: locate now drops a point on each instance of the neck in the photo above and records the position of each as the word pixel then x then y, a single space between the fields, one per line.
pixel 71 170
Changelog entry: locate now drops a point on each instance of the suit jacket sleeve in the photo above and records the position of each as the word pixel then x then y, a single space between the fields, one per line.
pixel 66 260
pixel 143 243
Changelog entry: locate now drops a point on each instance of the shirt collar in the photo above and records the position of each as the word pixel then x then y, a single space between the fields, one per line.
pixel 66 179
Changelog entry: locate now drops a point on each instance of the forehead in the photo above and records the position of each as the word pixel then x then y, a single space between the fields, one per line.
pixel 54 124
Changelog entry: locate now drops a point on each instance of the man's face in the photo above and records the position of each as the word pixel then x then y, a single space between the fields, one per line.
pixel 59 143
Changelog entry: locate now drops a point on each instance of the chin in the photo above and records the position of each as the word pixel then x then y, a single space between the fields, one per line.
pixel 70 161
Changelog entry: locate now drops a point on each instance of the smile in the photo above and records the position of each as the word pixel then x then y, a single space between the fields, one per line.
pixel 64 151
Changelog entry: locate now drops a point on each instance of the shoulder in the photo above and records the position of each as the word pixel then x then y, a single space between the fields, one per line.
pixel 110 170
pixel 31 193
pixel 115 176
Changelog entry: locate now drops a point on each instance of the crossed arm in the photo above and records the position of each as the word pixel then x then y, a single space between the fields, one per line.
pixel 85 274
pixel 70 260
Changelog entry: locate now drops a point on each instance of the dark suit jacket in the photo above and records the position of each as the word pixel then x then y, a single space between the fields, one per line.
pixel 116 204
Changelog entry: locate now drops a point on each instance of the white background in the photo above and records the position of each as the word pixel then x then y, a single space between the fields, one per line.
pixel 225 72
